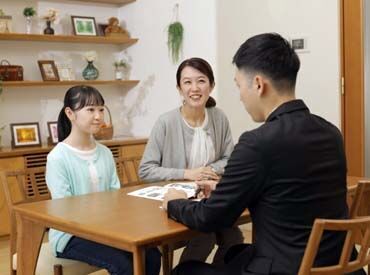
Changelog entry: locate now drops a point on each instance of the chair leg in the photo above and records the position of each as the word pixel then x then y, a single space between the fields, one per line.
pixel 58 269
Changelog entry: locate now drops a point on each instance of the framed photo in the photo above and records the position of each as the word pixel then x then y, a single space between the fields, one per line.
pixel 65 72
pixel 25 134
pixel 5 24
pixel 53 131
pixel 48 70
pixel 84 25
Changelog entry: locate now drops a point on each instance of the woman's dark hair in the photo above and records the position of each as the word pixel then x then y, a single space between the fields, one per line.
pixel 77 98
pixel 202 66
pixel 272 55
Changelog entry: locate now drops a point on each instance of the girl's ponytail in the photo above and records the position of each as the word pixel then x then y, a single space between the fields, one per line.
pixel 64 125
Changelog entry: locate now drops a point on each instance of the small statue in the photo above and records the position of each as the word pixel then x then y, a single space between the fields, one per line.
pixel 114 28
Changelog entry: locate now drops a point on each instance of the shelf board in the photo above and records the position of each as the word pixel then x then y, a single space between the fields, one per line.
pixel 113 2
pixel 68 38
pixel 27 83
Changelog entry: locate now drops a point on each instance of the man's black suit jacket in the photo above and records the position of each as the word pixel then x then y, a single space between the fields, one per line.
pixel 287 172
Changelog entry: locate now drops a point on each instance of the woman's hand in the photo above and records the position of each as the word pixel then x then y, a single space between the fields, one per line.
pixel 201 173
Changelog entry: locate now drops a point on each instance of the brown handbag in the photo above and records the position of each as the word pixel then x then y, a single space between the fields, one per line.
pixel 10 72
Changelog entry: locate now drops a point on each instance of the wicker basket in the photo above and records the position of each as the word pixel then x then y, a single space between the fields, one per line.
pixel 106 132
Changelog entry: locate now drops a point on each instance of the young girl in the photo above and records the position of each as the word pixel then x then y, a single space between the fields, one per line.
pixel 79 165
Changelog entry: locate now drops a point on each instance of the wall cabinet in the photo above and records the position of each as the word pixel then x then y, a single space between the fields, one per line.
pixel 130 149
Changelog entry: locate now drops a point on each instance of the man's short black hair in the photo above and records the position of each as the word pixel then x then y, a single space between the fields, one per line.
pixel 271 55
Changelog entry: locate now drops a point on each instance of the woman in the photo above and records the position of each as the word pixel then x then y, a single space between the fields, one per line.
pixel 192 142
pixel 79 165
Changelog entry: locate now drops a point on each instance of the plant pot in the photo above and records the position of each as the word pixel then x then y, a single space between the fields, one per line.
pixel 28 24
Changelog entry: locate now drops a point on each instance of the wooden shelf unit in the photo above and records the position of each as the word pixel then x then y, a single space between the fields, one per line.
pixel 68 38
pixel 124 83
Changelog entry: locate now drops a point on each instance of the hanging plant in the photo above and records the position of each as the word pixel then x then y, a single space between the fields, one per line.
pixel 175 37
pixel 175 33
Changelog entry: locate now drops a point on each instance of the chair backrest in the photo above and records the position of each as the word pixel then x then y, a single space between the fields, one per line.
pixel 356 229
pixel 128 170
pixel 22 186
pixel 360 205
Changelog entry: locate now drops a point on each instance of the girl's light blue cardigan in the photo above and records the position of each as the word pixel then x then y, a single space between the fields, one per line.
pixel 68 175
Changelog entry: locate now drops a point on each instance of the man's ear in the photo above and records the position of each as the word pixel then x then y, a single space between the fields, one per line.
pixel 259 84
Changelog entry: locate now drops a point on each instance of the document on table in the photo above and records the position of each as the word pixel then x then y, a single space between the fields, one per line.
pixel 157 192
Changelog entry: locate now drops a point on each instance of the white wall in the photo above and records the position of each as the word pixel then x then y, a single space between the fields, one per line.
pixel 213 30
pixel 318 78
pixel 134 111
pixel 148 20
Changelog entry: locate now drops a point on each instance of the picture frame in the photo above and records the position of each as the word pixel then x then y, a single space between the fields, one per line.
pixel 5 24
pixel 48 70
pixel 65 72
pixel 26 134
pixel 83 25
pixel 53 132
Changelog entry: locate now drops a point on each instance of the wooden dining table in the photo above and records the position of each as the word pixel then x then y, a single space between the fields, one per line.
pixel 112 218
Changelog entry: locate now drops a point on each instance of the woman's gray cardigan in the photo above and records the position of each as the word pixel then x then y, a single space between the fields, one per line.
pixel 164 156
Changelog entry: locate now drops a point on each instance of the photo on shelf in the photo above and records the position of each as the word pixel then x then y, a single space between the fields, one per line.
pixel 65 72
pixel 83 25
pixel 25 134
pixel 48 70
pixel 53 131
pixel 5 23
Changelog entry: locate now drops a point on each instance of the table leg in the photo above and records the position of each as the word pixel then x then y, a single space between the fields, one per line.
pixel 139 260
pixel 166 259
pixel 29 239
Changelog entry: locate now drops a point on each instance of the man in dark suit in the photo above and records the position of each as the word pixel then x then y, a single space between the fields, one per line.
pixel 287 172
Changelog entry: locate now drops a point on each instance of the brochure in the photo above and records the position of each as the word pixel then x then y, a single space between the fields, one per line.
pixel 157 192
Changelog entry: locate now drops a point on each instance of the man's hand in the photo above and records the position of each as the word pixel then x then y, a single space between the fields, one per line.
pixel 173 194
pixel 201 173
pixel 207 186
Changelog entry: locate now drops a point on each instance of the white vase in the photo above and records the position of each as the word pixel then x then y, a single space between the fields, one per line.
pixel 118 74
pixel 28 24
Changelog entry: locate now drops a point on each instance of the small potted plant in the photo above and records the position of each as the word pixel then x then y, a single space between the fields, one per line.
pixel 29 12
pixel 121 69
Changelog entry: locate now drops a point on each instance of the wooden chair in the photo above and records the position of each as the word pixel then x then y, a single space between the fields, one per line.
pixel 128 170
pixel 357 231
pixel 25 186
pixel 360 205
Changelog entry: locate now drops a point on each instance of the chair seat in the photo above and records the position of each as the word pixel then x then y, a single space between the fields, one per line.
pixel 47 260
